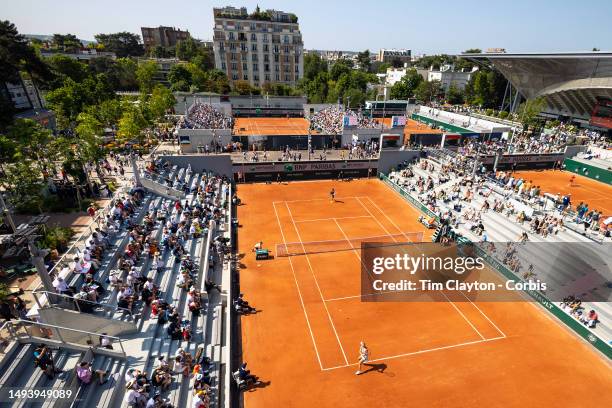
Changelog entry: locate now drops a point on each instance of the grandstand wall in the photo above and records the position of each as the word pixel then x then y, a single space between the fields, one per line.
pixel 390 158
pixel 588 170
pixel 304 170
pixel 217 163
pixel 191 139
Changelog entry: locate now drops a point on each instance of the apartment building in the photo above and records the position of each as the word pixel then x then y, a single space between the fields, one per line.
pixel 393 56
pixel 162 36
pixel 261 47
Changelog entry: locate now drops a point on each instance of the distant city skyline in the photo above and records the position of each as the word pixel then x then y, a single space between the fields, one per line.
pixel 441 27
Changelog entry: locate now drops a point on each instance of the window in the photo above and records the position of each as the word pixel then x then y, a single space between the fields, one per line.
pixel 287 49
pixel 266 48
pixel 245 67
pixel 267 67
pixel 277 77
pixel 252 26
pixel 297 68
pixel 276 58
pixel 243 57
pixel 223 66
pixel 233 58
pixel 286 58
pixel 276 48
pixel 243 47
pixel 253 37
pixel 266 58
pixel 231 35
pixel 253 47
pixel 254 57
pixel 287 78
pixel 235 76
pixel 297 59
pixel 238 26
pixel 232 46
pixel 267 76
pixel 276 68
pixel 286 68
pixel 255 67
pixel 245 77
pixel 286 39
pixel 234 66
pixel 265 38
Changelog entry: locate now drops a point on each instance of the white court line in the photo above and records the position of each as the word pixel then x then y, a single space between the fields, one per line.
pixel 316 282
pixel 299 291
pixel 334 218
pixel 442 292
pixel 313 199
pixel 359 296
pixel 413 353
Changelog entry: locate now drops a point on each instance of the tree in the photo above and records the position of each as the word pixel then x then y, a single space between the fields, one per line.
pixel 339 68
pixel 426 91
pixel 123 44
pixel 125 69
pixel 454 96
pixel 160 102
pixel 363 59
pixel 66 42
pixel 242 87
pixel 145 73
pixel 17 56
pixel 132 123
pixel 529 110
pixel 66 67
pixel 313 65
pixel 179 77
pixel 405 88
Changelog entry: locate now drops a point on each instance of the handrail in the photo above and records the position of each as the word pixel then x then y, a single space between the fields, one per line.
pixel 9 326
pixel 101 213
pixel 50 295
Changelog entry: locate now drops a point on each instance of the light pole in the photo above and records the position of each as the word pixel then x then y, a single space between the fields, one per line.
pixel 7 214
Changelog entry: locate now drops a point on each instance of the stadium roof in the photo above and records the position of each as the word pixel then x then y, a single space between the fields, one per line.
pixel 570 82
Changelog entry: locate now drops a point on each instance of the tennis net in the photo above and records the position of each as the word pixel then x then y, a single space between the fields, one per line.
pixel 315 247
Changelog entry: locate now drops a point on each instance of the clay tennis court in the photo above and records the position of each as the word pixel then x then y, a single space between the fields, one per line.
pixel 271 126
pixel 304 341
pixel 590 191
pixel 412 128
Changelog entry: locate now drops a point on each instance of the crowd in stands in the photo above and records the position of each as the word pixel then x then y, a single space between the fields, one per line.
pixel 205 116
pixel 572 305
pixel 329 121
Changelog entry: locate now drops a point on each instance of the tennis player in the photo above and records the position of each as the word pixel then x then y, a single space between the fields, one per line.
pixel 571 180
pixel 332 195
pixel 364 356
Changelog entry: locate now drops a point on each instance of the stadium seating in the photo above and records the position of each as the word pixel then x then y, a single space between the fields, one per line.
pixel 149 340
pixel 502 228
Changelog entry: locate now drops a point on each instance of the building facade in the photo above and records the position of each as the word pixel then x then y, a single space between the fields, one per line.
pixel 262 47
pixel 162 36
pixel 393 56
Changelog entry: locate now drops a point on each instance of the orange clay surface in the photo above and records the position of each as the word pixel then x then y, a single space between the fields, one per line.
pixel 271 126
pixel 304 341
pixel 598 195
pixel 412 127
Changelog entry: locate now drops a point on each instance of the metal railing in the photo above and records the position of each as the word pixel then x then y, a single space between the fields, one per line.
pixel 32 332
pixel 79 243
pixel 61 300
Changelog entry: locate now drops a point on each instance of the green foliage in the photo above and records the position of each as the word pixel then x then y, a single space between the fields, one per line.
pixel 503 115
pixel 123 44
pixel 179 78
pixel 242 87
pixel 313 65
pixel 56 238
pixel 363 58
pixel 66 42
pixel 529 110
pixel 454 96
pixel 160 102
pixel 406 87
pixel 17 56
pixel 132 123
pixel 427 91
pixel 145 73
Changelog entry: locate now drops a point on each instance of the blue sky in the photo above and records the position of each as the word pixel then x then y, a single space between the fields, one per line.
pixel 424 26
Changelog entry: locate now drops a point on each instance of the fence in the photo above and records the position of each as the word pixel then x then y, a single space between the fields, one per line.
pixel 555 310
